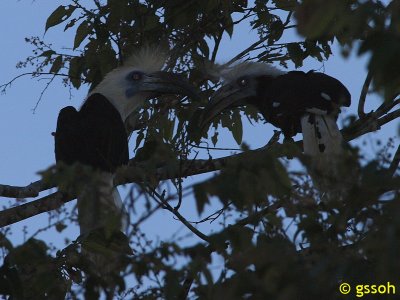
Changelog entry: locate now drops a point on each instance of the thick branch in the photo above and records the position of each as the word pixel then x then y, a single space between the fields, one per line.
pixel 27 210
pixel 31 190
pixel 189 167
pixel 124 175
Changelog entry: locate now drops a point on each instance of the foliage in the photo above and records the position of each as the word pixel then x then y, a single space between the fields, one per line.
pixel 354 239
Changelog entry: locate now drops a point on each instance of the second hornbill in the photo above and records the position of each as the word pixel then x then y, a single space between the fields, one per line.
pixel 295 101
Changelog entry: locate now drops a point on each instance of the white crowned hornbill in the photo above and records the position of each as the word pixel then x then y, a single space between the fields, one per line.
pixel 96 135
pixel 292 101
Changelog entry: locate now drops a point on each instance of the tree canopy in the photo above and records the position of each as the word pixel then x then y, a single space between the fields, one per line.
pixel 255 192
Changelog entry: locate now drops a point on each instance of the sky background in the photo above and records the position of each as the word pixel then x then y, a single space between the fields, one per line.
pixel 27 145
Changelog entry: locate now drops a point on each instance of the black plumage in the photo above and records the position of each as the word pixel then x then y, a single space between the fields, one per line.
pixel 95 135
pixel 296 102
pixel 285 99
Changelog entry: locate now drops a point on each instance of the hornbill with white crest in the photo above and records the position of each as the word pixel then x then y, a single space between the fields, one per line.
pixel 293 101
pixel 96 135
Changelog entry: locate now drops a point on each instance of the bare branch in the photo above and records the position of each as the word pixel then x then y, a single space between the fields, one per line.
pixel 363 95
pixel 27 210
pixel 31 190
pixel 394 165
pixel 185 222
pixel 4 86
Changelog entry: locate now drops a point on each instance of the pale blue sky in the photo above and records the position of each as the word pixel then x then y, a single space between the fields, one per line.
pixel 27 145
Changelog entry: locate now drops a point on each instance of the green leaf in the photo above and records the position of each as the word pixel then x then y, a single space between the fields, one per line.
pixel 56 65
pixel 70 24
pixel 229 26
pixel 139 139
pixel 296 54
pixel 82 32
pixel 47 53
pixel 74 72
pixel 59 15
pixel 214 138
pixel 60 226
pixel 237 128
pixel 287 5
pixel 201 197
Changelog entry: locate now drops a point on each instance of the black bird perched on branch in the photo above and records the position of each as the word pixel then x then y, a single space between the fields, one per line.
pixel 292 101
pixel 96 135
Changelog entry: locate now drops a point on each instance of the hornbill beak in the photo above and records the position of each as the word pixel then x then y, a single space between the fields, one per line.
pixel 168 83
pixel 226 97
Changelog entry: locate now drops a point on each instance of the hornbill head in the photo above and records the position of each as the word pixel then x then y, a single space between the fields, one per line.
pixel 140 79
pixel 241 85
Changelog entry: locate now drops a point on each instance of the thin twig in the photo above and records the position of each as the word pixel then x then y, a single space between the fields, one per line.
pixel 253 46
pixel 179 216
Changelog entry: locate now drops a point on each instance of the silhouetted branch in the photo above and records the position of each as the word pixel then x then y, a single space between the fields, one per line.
pixel 394 165
pixel 189 167
pixel 31 190
pixel 363 95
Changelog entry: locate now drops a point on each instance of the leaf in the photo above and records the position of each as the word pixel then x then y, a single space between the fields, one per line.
pixel 60 226
pixel 139 139
pixel 82 32
pixel 296 54
pixel 168 129
pixel 287 5
pixel 56 65
pixel 74 72
pixel 237 128
pixel 214 138
pixel 201 197
pixel 47 53
pixel 70 24
pixel 59 15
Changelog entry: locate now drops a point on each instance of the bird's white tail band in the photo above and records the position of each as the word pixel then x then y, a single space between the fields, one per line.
pixel 323 143
pixel 321 135
pixel 102 207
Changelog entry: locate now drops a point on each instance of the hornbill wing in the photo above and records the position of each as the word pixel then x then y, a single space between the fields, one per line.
pixel 68 136
pixel 93 136
pixel 105 134
pixel 288 97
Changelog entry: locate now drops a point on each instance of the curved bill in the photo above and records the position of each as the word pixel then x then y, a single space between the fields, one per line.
pixel 226 97
pixel 168 83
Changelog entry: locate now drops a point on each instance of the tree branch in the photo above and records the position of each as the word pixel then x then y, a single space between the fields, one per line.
pixel 395 163
pixel 189 167
pixel 253 46
pixel 31 190
pixel 363 95
pixel 124 175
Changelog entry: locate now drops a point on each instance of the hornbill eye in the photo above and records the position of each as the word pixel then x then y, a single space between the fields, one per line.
pixel 242 81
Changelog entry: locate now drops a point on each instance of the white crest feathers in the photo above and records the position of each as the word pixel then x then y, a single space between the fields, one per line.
pixel 230 73
pixel 147 59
